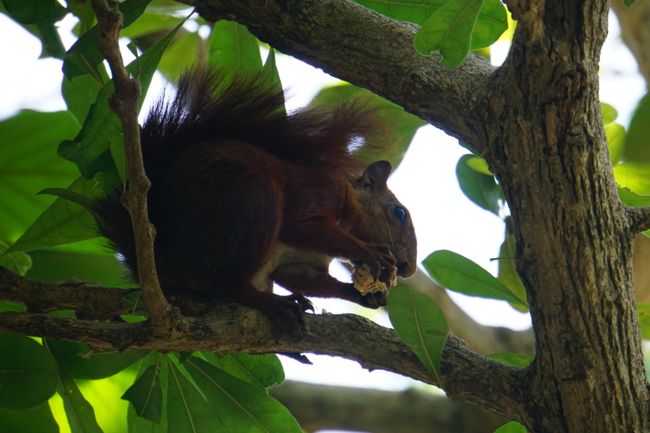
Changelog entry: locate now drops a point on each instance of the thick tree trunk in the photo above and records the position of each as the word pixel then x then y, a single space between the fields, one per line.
pixel 573 238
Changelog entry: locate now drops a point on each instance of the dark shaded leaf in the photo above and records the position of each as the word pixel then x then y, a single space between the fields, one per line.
pixel 481 189
pixel 511 427
pixel 28 373
pixel 36 419
pixel 146 394
pixel 19 263
pixel 637 143
pixel 262 370
pixel 507 272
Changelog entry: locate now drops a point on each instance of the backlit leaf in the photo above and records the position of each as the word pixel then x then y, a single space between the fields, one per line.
pixel 420 324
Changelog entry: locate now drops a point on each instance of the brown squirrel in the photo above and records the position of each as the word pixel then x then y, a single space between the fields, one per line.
pixel 244 195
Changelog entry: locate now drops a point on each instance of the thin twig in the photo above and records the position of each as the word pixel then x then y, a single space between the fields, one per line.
pixel 125 104
pixel 639 218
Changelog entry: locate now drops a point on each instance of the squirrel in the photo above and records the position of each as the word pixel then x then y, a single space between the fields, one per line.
pixel 244 195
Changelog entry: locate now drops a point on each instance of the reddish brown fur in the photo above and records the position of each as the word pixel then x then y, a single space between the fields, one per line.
pixel 243 195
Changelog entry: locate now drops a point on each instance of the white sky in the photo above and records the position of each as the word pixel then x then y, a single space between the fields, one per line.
pixel 425 181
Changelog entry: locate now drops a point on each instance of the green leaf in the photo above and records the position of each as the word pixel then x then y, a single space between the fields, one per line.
pixel 19 263
pixel 462 275
pixel 511 427
pixel 630 198
pixel 481 189
pixel 634 176
pixel 180 56
pixel 80 93
pixel 150 22
pixel 615 141
pixel 643 310
pixel 146 394
pixel 34 11
pixel 138 424
pixel 82 363
pixel 29 164
pixel 637 143
pixel 84 57
pixel 28 374
pixel 35 419
pixel 80 413
pixel 514 359
pixel 479 164
pixel 399 127
pixel 449 30
pixel 188 411
pixel 609 113
pixel 65 222
pixel 420 324
pixel 507 272
pixel 270 71
pixel 262 370
pixel 232 48
pixel 491 23
pixel 240 406
pixel 629 3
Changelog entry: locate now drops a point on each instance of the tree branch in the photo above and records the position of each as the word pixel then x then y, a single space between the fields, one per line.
pixel 639 218
pixel 230 327
pixel 367 49
pixel 326 407
pixel 125 104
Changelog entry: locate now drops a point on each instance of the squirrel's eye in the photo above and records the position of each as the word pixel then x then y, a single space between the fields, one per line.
pixel 400 213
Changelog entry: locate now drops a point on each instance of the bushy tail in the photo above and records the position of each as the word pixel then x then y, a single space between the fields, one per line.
pixel 207 109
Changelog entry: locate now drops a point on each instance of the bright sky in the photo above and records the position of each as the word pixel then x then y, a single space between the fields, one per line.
pixel 425 181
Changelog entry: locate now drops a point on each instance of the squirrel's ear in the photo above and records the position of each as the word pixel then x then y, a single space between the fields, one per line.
pixel 375 176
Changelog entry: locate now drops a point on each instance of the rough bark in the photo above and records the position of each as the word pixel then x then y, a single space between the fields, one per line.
pixel 573 235
pixel 326 407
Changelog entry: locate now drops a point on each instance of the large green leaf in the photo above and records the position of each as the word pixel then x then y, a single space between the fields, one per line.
pixel 462 275
pixel 146 394
pixel 182 53
pixel 400 126
pixel 28 373
pixel 630 198
pixel 420 324
pixel 637 143
pixel 262 370
pixel 36 419
pixel 643 310
pixel 83 363
pixel 80 93
pixel 64 221
pixel 480 188
pixel 237 405
pixel 449 30
pixel 151 22
pixel 29 164
pixel 233 48
pixel 608 112
pixel 188 411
